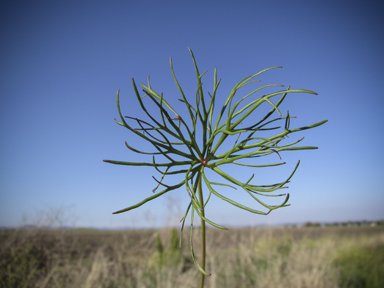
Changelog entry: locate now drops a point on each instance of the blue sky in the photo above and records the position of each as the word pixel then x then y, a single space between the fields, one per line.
pixel 63 61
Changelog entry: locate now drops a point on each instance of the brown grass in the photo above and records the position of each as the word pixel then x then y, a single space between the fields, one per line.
pixel 247 257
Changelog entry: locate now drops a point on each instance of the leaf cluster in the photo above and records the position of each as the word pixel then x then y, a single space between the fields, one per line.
pixel 174 136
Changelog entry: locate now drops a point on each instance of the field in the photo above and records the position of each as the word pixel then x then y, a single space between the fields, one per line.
pixel 242 257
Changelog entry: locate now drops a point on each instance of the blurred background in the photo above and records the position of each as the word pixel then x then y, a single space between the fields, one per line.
pixel 63 61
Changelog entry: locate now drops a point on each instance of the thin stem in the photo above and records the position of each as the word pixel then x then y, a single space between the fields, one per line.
pixel 200 190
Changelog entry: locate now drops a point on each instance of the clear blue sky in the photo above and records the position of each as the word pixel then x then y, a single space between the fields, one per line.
pixel 63 61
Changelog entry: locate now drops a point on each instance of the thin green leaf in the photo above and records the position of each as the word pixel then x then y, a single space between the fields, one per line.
pixel 192 251
pixel 234 203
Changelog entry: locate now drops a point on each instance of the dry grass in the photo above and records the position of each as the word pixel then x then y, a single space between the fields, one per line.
pixel 249 257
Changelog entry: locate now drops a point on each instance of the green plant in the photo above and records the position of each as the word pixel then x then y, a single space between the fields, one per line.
pixel 160 250
pixel 171 132
pixel 360 267
pixel 174 241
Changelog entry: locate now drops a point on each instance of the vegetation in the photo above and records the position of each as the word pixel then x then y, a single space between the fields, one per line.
pixel 347 257
pixel 194 143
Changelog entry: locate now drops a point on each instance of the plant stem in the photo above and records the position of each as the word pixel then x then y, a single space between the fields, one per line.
pixel 201 200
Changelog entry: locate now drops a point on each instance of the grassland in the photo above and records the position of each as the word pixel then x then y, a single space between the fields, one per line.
pixel 249 257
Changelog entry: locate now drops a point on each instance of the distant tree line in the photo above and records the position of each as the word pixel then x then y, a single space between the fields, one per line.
pixel 345 224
